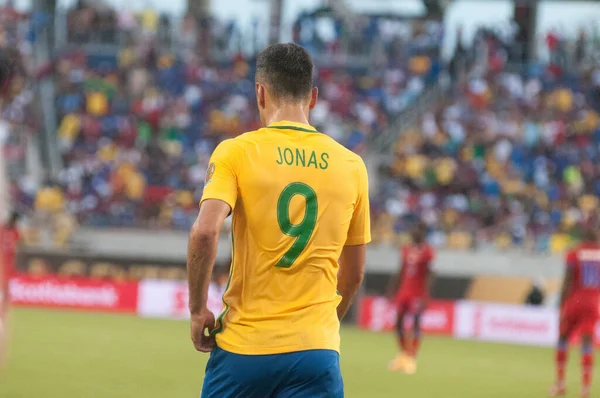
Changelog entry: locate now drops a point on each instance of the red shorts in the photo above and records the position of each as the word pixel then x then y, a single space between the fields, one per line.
pixel 410 304
pixel 579 315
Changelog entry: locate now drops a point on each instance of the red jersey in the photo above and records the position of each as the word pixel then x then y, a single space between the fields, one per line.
pixel 416 262
pixel 9 242
pixel 584 261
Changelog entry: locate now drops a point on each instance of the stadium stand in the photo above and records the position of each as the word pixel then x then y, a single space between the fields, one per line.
pixel 495 162
pixel 509 158
pixel 137 126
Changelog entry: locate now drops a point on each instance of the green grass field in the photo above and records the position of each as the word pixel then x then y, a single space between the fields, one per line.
pixel 76 355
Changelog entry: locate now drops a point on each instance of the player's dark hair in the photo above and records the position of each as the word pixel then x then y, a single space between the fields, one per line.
pixel 287 70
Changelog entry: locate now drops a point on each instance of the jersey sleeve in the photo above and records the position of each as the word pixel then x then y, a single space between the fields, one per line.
pixel 359 232
pixel 222 174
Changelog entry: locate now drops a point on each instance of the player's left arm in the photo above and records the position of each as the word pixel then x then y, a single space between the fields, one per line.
pixel 218 200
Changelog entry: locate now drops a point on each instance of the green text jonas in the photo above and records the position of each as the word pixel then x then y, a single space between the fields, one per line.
pixel 301 157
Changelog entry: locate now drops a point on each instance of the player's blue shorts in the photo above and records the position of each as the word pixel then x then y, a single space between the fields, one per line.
pixel 303 374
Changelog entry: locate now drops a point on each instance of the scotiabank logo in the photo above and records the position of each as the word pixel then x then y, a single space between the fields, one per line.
pixel 519 325
pixel 80 293
pixel 507 323
pixel 69 294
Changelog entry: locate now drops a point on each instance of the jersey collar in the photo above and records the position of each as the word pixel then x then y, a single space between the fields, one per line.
pixel 287 125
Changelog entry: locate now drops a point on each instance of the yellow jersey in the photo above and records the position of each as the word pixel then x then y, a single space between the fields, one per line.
pixel 297 197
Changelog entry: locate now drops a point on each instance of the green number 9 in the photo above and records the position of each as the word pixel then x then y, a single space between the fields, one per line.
pixel 302 231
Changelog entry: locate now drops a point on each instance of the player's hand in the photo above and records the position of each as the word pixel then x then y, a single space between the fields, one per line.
pixel 202 324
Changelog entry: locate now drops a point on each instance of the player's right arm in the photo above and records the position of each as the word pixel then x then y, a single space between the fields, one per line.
pixel 354 253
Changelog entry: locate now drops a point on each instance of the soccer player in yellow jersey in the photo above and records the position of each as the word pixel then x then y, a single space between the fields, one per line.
pixel 300 208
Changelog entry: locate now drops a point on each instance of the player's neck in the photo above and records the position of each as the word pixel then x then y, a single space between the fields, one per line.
pixel 290 113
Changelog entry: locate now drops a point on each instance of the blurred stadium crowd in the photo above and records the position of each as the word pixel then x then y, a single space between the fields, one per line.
pixel 509 156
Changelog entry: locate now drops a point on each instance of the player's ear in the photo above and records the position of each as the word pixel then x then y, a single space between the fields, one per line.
pixel 260 95
pixel 314 95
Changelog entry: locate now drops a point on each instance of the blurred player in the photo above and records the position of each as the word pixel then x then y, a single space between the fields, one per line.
pixel 4 78
pixel 300 205
pixel 9 242
pixel 580 298
pixel 409 292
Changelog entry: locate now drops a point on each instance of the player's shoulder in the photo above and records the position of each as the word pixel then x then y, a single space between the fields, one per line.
pixel 351 160
pixel 342 151
pixel 248 139
pixel 249 136
pixel 235 144
pixel 227 145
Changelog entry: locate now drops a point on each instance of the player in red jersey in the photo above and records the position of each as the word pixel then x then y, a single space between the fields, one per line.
pixel 9 240
pixel 9 243
pixel 411 288
pixel 579 310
